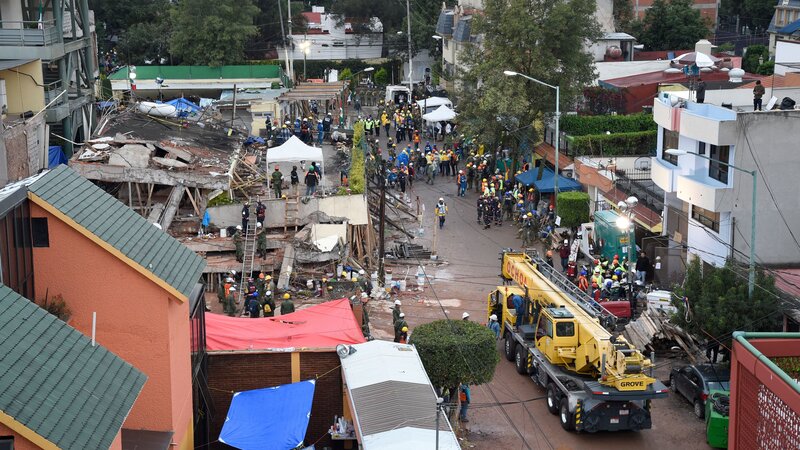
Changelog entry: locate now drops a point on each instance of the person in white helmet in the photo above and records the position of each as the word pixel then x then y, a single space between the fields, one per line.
pixel 494 326
pixel 396 312
pixel 398 327
pixel 465 316
pixel 441 212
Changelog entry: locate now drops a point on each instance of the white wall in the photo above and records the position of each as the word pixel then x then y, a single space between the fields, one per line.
pixel 788 52
pixel 710 246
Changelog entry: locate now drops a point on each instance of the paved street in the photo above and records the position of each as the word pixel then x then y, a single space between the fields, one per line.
pixel 469 272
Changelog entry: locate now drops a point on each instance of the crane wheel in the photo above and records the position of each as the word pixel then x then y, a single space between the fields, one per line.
pixel 564 416
pixel 509 347
pixel 552 398
pixel 521 360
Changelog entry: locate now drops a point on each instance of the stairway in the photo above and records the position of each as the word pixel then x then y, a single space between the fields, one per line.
pixel 248 260
pixel 291 213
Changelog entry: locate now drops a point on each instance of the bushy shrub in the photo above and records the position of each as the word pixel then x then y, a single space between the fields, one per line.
pixel 619 144
pixel 574 125
pixel 573 207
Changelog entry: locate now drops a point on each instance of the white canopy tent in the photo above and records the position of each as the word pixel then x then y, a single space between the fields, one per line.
pixel 294 150
pixel 427 105
pixel 442 113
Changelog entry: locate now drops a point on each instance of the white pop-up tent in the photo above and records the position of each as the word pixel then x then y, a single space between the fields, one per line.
pixel 427 105
pixel 442 113
pixel 294 150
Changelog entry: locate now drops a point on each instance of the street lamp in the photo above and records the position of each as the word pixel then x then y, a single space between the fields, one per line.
pixel 305 46
pixel 439 401
pixel 511 73
pixel 751 278
pixel 625 223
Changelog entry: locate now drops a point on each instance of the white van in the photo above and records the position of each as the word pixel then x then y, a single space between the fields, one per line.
pixel 397 94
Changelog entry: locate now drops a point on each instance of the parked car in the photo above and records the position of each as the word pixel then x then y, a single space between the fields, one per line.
pixel 695 381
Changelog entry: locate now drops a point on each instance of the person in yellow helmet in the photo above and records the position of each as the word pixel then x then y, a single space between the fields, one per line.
pixel 287 306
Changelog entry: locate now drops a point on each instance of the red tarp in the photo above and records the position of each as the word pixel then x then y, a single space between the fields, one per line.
pixel 323 325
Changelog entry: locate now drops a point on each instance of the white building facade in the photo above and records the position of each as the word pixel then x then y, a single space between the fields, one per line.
pixel 327 39
pixel 708 206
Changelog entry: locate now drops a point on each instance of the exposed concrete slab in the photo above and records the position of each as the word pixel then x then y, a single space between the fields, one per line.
pixel 130 155
pixel 353 207
pixel 119 174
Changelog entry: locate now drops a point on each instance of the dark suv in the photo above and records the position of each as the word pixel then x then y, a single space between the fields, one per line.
pixel 695 381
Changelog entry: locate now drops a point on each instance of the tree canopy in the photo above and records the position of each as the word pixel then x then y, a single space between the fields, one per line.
pixel 755 14
pixel 719 302
pixel 212 32
pixel 538 38
pixel 670 25
pixel 456 351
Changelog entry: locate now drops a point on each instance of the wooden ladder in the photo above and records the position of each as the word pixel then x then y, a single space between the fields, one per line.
pixel 248 259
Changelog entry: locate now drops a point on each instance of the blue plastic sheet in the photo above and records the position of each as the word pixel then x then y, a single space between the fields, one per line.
pixel 55 156
pixel 545 185
pixel 269 419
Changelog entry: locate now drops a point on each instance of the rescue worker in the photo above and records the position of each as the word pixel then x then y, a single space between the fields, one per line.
pixel 287 306
pixel 399 325
pixel 261 242
pixel 261 212
pixel 229 307
pixel 470 176
pixel 519 309
pixel 441 212
pixel 238 243
pixel 396 312
pixel 583 283
pixel 563 252
pixel 461 182
pixel 465 316
pixel 494 326
pixel 277 179
pixel 245 216
pixel 480 208
pixel 488 213
pixel 364 313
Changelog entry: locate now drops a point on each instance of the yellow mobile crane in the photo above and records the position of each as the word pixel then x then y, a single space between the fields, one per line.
pixel 594 380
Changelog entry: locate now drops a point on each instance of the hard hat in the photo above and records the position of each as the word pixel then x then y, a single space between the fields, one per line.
pixel 493 317
pixel 583 272
pixel 530 190
pixel 460 171
pixel 530 215
pixel 614 278
pixel 402 315
pixel 231 288
pixel 268 293
pixel 233 272
pixel 594 284
pixel 286 296
pixel 397 302
pixel 268 277
pixel 405 330
pixel 464 315
pixel 566 241
pixel 355 279
pixel 441 199
pixel 258 225
pixel 330 288
pixel 361 272
pixel 239 227
pixel 364 294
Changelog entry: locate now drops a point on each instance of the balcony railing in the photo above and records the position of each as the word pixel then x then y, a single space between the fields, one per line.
pixel 29 33
pixel 53 92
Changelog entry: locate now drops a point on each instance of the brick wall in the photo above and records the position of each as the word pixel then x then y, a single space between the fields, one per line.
pixel 241 372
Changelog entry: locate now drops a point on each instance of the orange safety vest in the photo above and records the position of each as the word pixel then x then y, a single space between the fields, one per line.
pixel 583 283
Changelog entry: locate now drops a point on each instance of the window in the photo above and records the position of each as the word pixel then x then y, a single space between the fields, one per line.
pixel 701 148
pixel 41 236
pixel 338 43
pixel 545 328
pixel 6 442
pixel 565 329
pixel 670 140
pixel 716 169
pixel 707 218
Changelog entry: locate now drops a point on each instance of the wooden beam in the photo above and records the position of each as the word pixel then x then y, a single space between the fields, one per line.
pixel 191 198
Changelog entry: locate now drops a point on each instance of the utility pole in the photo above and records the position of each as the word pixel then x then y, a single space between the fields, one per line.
pixel 291 39
pixel 410 63
pixel 233 117
pixel 382 226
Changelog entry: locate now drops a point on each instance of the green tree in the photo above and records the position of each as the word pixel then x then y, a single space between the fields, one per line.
pixel 381 76
pixel 671 25
pixel 573 207
pixel 752 55
pixel 719 302
pixel 534 37
pixel 212 32
pixel 146 41
pixel 754 14
pixel 115 18
pixel 356 174
pixel 455 352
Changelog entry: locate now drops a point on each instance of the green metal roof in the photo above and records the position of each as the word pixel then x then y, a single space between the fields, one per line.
pixel 55 383
pixel 201 72
pixel 118 225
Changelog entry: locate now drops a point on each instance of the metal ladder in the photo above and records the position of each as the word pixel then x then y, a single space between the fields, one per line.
pixel 583 299
pixel 291 213
pixel 248 259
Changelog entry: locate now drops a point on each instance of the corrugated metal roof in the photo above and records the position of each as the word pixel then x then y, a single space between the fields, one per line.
pixel 390 391
pixel 119 226
pixel 55 383
pixel 444 25
pixel 462 32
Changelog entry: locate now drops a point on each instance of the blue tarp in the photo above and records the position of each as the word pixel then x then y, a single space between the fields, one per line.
pixel 181 104
pixel 545 185
pixel 791 28
pixel 55 156
pixel 254 140
pixel 269 419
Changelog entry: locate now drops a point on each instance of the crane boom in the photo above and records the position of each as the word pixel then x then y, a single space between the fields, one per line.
pixel 569 332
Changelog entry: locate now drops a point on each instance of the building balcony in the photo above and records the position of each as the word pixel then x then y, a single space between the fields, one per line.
pixel 708 123
pixel 663 174
pixel 704 192
pixel 29 34
pixel 665 115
